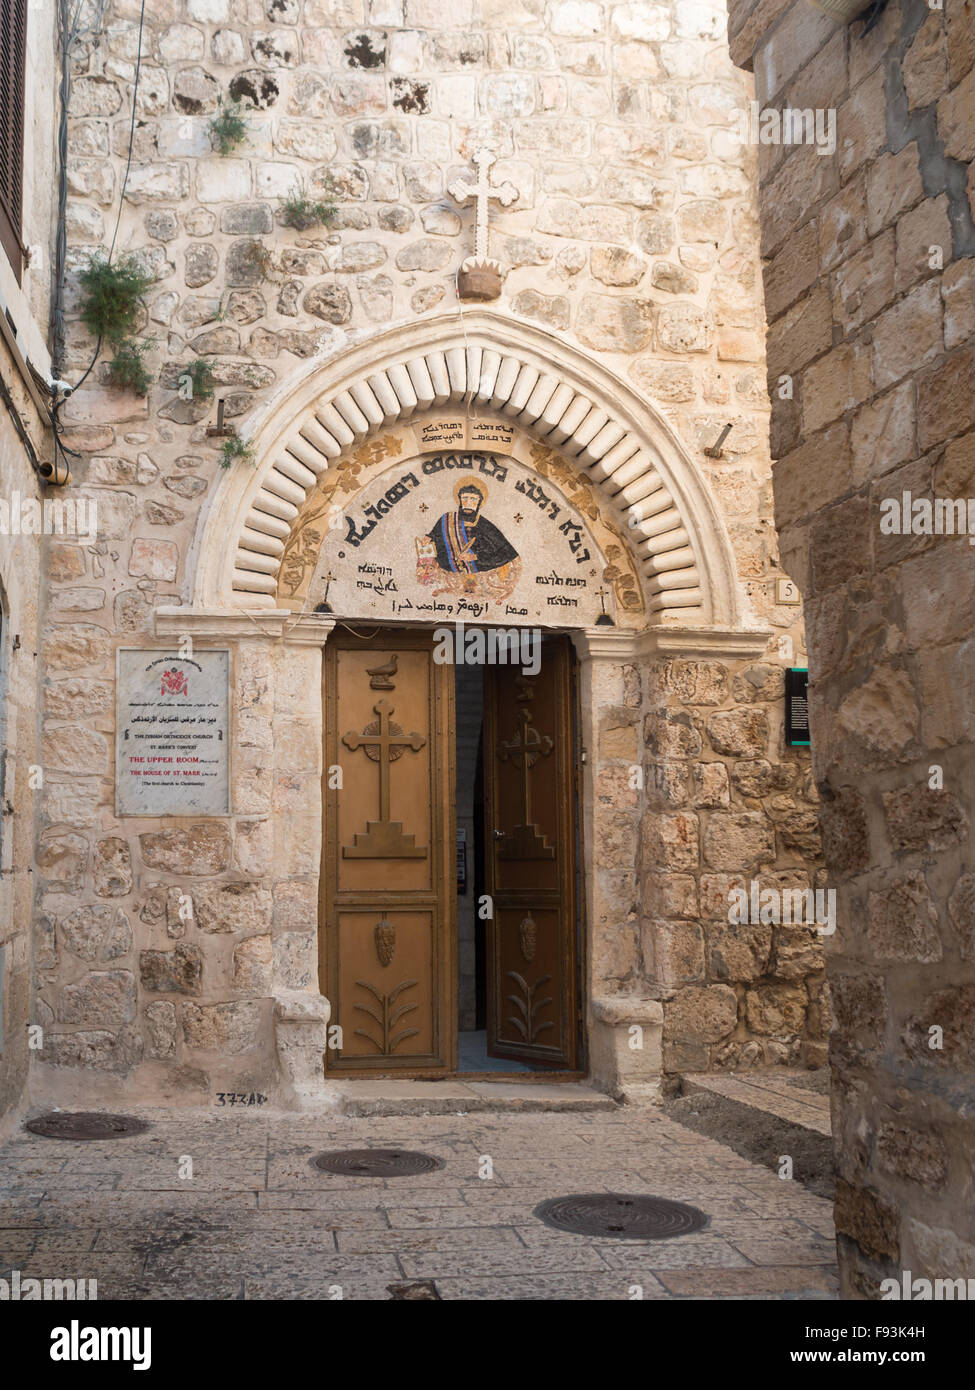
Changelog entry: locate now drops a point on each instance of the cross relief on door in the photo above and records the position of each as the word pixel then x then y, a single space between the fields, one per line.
pixel 388 960
pixel 531 938
pixel 389 950
pixel 383 742
pixel 526 747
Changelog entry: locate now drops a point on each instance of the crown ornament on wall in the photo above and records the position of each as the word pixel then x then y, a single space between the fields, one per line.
pixel 480 276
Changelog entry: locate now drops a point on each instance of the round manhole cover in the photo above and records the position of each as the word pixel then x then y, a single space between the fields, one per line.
pixel 377 1163
pixel 620 1215
pixel 85 1125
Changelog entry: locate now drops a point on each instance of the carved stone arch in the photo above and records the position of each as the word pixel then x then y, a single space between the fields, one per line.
pixel 475 361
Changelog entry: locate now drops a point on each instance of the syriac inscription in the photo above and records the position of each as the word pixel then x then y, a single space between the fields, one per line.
pixel 461 534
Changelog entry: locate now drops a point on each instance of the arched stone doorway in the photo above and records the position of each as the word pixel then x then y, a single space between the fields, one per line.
pixel 476 365
pixel 360 439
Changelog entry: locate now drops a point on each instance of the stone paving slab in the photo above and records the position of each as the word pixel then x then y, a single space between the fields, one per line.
pixel 356 1289
pixel 732 1283
pixel 704 1253
pixel 511 1260
pixel 256 1221
pixel 775 1252
pixel 354 1199
pixel 776 1094
pixel 392 1098
pixel 583 1286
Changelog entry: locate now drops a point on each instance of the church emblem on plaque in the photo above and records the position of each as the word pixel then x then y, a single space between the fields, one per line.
pixel 174 682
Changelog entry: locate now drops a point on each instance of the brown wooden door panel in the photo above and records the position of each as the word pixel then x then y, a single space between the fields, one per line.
pixel 387 969
pixel 529 761
pixel 388 897
pixel 365 714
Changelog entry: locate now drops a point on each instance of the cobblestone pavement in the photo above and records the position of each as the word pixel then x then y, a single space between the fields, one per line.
pixel 256 1221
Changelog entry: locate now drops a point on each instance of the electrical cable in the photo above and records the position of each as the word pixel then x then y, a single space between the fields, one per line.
pixel 69 33
pixel 24 437
pixel 128 162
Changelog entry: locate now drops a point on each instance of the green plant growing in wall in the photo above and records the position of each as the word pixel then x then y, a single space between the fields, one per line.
pixel 234 450
pixel 196 381
pixel 301 211
pixel 110 295
pixel 110 309
pixel 228 129
pixel 127 369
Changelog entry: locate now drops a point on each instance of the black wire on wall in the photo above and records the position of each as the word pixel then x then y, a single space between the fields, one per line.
pixel 69 32
pixel 19 426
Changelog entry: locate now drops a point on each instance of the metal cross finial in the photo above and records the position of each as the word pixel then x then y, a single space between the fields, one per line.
pixel 462 191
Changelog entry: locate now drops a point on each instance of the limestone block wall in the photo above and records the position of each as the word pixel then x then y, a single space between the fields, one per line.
pixel 160 946
pixel 870 290
pixel 20 581
pixel 24 306
pixel 723 804
pixel 633 232
pixel 728 805
pixel 633 236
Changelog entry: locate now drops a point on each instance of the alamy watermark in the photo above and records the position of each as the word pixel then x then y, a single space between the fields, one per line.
pixel 55 516
pixel 489 646
pixel 792 125
pixel 77 1343
pixel 16 1289
pixel 928 516
pixel 798 907
pixel 927 1290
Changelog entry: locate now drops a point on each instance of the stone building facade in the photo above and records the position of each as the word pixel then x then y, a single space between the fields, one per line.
pixel 870 293
pixel 627 334
pixel 20 572
pixel 25 449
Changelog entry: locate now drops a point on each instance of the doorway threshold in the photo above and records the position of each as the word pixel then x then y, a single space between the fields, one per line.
pixel 463 1095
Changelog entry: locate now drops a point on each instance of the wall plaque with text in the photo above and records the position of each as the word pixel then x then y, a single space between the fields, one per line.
pixel 796 708
pixel 172 733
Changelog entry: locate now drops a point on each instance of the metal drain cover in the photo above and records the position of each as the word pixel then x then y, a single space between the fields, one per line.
pixel 85 1125
pixel 377 1163
pixel 620 1215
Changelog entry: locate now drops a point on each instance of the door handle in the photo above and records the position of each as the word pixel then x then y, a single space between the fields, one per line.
pixel 498 834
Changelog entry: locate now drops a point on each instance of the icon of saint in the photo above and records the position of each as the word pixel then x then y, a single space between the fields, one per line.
pixel 464 544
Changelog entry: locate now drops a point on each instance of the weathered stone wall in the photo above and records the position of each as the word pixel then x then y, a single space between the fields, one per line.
pixel 728 804
pixel 162 945
pixel 25 301
pixel 722 804
pixel 20 582
pixel 633 237
pixel 870 290
pixel 633 230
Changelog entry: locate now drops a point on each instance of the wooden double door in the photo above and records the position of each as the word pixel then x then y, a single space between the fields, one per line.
pixel 388 943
